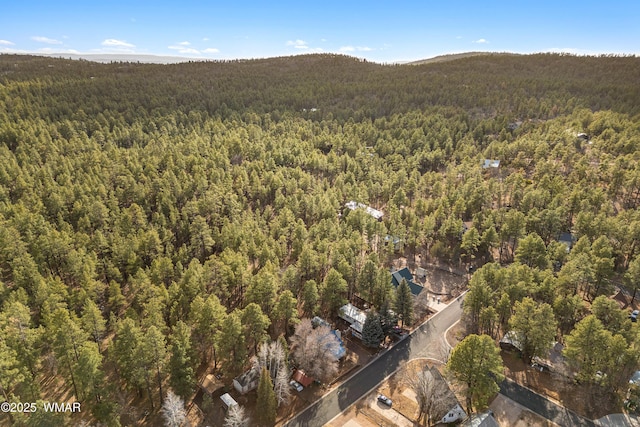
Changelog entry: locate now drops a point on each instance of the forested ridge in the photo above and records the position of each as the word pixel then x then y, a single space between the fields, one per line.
pixel 157 218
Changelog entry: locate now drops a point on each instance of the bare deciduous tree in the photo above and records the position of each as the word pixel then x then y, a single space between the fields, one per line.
pixel 281 386
pixel 272 357
pixel 236 417
pixel 315 350
pixel 431 394
pixel 173 410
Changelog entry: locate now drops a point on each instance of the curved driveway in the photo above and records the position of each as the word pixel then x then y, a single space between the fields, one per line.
pixel 425 341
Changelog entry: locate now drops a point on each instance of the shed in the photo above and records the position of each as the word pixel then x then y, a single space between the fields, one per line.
pixel 302 378
pixel 211 385
pixel 228 401
pixel 421 272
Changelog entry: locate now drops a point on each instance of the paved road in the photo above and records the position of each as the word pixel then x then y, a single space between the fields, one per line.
pixel 425 341
pixel 542 406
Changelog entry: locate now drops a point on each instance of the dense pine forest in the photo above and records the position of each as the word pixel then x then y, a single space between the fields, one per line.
pixel 156 220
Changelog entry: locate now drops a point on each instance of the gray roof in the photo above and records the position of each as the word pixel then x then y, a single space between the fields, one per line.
pixel 484 419
pixel 490 163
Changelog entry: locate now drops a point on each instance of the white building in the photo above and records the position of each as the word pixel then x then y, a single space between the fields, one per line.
pixel 355 317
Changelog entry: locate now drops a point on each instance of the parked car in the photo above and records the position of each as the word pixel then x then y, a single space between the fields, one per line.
pixel 634 315
pixel 384 400
pixel 296 385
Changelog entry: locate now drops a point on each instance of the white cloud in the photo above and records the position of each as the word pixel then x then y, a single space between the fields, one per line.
pixel 184 43
pixel 355 49
pixel 481 41
pixel 116 43
pixel 47 40
pixel 6 43
pixel 323 40
pixel 51 50
pixel 211 50
pixel 205 39
pixel 298 44
pixel 181 48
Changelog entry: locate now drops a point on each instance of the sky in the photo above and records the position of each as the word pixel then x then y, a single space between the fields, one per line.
pixel 380 31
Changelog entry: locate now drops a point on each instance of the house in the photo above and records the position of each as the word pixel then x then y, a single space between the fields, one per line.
pixel 341 351
pixel 397 276
pixel 567 239
pixel 395 241
pixel 319 321
pixel 484 419
pixel 554 361
pixel 353 205
pixel 455 412
pixel 354 317
pixel 246 382
pixel 511 342
pixel 228 401
pixel 302 378
pixel 490 164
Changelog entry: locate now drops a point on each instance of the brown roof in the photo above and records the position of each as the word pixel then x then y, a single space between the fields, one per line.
pixel 302 378
pixel 210 384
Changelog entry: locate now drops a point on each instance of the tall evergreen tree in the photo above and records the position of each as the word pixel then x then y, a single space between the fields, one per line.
pixel 476 363
pixel 266 404
pixel 181 372
pixel 372 333
pixel 404 303
pixel 334 291
pixel 232 344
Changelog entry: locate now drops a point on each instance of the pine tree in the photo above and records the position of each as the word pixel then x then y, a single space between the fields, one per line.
pixel 476 362
pixel 535 326
pixel 372 334
pixel 310 298
pixel 232 344
pixel 387 318
pixel 286 310
pixel 404 303
pixel 93 322
pixel 154 352
pixel 335 289
pixel 182 375
pixel 266 405
pixel 255 324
